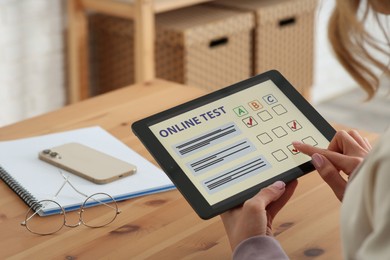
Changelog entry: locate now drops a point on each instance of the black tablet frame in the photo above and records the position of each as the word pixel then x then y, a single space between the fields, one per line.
pixel 180 179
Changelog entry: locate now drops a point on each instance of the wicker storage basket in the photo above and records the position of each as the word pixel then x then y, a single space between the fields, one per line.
pixel 284 37
pixel 111 53
pixel 203 46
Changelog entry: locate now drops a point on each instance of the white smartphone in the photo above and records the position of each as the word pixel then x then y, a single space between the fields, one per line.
pixel 87 162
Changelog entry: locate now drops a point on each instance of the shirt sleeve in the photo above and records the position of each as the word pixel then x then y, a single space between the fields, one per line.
pixel 376 245
pixel 259 247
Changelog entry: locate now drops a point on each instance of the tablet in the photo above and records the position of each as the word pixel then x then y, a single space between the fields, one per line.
pixel 222 148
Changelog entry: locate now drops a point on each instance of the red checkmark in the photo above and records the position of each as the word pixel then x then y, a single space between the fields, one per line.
pixel 294 126
pixel 250 121
pixel 294 150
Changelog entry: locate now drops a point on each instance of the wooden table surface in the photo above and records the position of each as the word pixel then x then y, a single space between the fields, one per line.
pixel 159 226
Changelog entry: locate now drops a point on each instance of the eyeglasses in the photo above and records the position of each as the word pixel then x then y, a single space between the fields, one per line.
pixel 98 210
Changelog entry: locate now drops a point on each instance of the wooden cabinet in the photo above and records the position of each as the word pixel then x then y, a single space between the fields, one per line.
pixel 142 11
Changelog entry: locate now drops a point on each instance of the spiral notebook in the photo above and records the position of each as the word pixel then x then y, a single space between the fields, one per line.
pixel 34 180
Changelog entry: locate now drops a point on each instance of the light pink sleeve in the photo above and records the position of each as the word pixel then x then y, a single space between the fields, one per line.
pixel 259 247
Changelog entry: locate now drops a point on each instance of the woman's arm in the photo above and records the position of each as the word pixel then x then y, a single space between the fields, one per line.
pixel 259 247
pixel 377 244
pixel 249 227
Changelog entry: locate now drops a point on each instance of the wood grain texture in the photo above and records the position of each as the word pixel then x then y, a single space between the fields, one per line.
pixel 144 41
pixel 78 52
pixel 160 226
pixel 114 8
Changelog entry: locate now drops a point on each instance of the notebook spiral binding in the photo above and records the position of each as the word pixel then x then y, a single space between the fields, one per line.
pixel 26 196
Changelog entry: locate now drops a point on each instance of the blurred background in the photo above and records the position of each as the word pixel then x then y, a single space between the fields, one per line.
pixel 34 64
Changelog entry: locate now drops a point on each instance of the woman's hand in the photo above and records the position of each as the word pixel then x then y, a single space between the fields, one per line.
pixel 255 216
pixel 345 152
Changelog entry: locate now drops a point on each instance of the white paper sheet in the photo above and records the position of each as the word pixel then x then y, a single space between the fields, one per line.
pixel 20 159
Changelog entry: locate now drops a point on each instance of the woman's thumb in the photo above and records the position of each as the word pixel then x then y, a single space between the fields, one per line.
pixel 272 192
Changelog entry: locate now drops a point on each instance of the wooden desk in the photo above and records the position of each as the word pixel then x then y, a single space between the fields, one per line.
pixel 160 226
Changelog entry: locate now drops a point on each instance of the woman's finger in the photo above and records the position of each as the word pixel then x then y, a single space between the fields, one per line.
pixel 368 143
pixel 267 195
pixel 340 161
pixel 344 143
pixel 330 175
pixel 360 140
pixel 275 207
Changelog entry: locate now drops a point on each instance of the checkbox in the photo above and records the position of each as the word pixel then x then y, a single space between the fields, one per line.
pixel 279 109
pixel 294 125
pixel 292 149
pixel 279 155
pixel 264 115
pixel 309 140
pixel 240 111
pixel 255 105
pixel 279 132
pixel 249 122
pixel 264 138
pixel 270 99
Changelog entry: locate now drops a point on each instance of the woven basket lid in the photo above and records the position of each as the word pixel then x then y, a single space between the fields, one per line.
pixel 201 23
pixel 271 10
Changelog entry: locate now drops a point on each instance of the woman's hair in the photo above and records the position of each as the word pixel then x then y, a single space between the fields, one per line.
pixel 351 43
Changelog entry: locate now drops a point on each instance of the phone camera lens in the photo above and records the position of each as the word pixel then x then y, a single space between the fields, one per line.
pixel 53 154
pixel 46 151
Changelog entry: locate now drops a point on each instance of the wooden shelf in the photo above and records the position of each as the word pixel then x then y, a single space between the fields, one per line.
pixel 141 11
pixel 124 9
pixel 161 6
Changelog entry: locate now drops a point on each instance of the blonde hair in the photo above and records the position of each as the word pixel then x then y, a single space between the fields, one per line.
pixel 351 43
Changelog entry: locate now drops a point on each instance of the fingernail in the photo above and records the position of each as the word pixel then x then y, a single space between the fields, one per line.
pixel 297 143
pixel 279 185
pixel 317 160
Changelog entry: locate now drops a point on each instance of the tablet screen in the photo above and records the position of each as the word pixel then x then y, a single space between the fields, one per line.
pixel 234 143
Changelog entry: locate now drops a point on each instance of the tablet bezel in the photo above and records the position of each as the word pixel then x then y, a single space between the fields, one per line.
pixel 179 178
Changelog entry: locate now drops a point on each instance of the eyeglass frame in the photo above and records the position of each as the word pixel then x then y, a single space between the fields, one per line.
pixel 62 210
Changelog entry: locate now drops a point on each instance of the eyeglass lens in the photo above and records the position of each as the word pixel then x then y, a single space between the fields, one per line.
pixel 45 225
pixel 103 212
pixel 98 210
